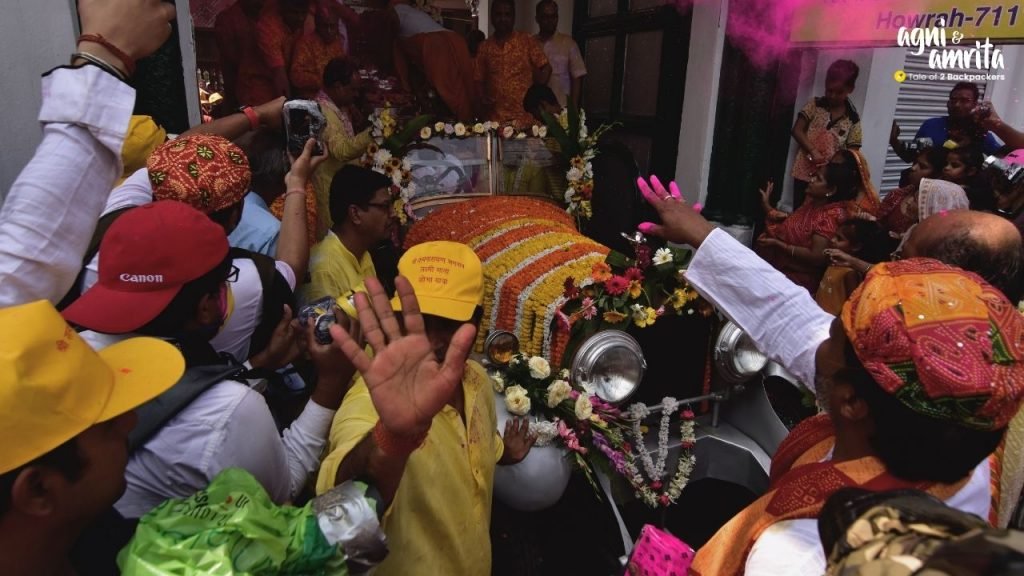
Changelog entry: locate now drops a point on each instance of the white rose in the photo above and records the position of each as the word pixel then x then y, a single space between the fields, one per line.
pixel 460 129
pixel 558 391
pixel 521 135
pixel 425 133
pixel 539 367
pixel 498 381
pixel 535 130
pixel 516 400
pixel 563 373
pixel 478 128
pixel 662 256
pixel 508 132
pixel 584 409
pixel 439 127
pixel 574 174
pixel 542 132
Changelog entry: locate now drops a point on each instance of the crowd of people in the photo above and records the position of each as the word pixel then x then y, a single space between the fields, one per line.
pixel 271 48
pixel 136 268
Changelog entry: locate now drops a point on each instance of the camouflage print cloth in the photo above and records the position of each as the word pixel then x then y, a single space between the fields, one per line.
pixel 917 534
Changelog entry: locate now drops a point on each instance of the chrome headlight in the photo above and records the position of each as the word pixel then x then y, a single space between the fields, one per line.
pixel 736 357
pixel 500 346
pixel 612 363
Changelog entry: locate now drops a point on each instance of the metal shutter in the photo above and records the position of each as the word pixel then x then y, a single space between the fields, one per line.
pixel 918 101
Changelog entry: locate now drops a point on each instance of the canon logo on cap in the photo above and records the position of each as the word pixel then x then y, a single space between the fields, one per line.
pixel 141 278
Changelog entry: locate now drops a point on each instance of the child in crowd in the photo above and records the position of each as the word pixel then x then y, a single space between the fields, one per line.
pixel 963 167
pixel 867 243
pixel 899 207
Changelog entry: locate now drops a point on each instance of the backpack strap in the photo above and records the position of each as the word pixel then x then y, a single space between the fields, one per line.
pixel 276 293
pixel 153 415
pixel 102 226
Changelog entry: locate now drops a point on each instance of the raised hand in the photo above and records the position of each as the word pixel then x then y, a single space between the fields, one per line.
pixel 136 27
pixel 681 223
pixel 303 166
pixel 406 383
pixel 766 195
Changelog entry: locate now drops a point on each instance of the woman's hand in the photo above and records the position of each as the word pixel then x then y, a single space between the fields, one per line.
pixel 818 159
pixel 766 241
pixel 681 223
pixel 766 196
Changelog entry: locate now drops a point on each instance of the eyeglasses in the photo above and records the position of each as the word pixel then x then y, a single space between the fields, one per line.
pixel 232 274
pixel 381 205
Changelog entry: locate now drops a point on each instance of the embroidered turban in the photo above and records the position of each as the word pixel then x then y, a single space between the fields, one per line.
pixel 943 341
pixel 206 172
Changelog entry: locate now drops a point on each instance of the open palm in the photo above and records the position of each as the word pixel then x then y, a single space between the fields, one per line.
pixel 406 382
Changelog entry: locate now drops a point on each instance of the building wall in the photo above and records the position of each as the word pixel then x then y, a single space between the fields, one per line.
pixel 35 35
pixel 526 11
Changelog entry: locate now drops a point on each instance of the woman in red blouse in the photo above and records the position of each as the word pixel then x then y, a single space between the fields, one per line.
pixel 795 243
pixel 899 208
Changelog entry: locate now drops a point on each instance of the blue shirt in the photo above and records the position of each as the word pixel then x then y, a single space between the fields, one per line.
pixel 258 230
pixel 938 130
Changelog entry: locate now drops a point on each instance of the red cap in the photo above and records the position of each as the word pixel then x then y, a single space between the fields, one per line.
pixel 146 256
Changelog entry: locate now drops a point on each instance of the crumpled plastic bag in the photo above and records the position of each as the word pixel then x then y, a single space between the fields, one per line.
pixel 232 528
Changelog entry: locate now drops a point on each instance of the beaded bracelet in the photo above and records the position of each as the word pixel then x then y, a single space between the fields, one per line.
pixel 394 445
pixel 126 60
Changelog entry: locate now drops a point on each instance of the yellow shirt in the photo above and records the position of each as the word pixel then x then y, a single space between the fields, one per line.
pixel 335 271
pixel 439 522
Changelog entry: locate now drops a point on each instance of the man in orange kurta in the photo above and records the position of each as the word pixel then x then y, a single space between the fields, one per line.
pixel 312 53
pixel 280 25
pixel 507 65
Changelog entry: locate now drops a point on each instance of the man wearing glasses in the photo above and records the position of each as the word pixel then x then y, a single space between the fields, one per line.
pixel 361 209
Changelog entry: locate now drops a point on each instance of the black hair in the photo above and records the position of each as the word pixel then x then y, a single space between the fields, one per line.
pixel 874 242
pixel 913 446
pixel 65 458
pixel 224 216
pixel 543 3
pixel 537 94
pixel 999 266
pixel 171 322
pixel 972 156
pixel 843 177
pixel 967 86
pixel 354 185
pixel 936 157
pixel 268 161
pixel 339 70
pixel 845 71
pixel 510 3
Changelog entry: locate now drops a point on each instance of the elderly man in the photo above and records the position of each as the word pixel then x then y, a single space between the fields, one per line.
pixel 920 379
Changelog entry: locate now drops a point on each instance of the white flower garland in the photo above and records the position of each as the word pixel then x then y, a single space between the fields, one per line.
pixel 656 493
pixel 496 304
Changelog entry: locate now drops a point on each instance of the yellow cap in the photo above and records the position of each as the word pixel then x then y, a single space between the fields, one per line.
pixel 144 136
pixel 53 386
pixel 447 277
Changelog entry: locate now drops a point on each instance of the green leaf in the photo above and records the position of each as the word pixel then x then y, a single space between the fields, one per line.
pixel 566 143
pixel 617 260
pixel 398 141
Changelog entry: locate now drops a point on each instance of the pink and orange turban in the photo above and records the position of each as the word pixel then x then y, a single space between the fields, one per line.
pixel 206 172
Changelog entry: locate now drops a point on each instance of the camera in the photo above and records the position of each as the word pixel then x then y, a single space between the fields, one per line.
pixel 1013 173
pixel 918 144
pixel 321 314
pixel 303 120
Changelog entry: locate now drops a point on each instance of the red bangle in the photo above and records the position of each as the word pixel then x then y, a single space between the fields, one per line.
pixel 126 60
pixel 394 445
pixel 254 118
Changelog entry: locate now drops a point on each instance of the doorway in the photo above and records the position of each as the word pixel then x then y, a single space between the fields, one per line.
pixel 636 53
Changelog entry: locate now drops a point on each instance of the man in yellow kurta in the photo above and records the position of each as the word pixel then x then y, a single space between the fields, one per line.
pixel 434 470
pixel 360 207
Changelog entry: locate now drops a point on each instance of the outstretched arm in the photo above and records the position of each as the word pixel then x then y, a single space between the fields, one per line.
pixel 407 384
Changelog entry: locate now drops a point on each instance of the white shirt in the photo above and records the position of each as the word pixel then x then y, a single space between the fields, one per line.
pixel 566 64
pixel 787 325
pixel 413 21
pixel 228 425
pixel 52 208
pixel 247 290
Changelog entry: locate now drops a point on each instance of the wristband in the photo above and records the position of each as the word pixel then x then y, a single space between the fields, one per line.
pixel 100 63
pixel 295 191
pixel 126 60
pixel 395 445
pixel 250 113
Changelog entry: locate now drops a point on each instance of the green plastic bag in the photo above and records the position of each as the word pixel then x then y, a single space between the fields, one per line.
pixel 231 528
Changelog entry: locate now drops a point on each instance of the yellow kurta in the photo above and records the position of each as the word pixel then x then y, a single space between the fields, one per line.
pixel 334 271
pixel 439 521
pixel 343 147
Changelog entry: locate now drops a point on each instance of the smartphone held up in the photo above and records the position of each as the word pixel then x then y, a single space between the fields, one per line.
pixel 303 120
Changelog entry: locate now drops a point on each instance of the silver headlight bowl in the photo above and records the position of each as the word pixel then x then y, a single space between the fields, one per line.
pixel 612 363
pixel 736 357
pixel 500 346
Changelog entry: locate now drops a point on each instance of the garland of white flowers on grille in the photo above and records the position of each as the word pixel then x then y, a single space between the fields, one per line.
pixel 655 492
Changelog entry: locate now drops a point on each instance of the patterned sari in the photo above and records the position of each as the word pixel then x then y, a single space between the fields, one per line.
pixel 798 229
